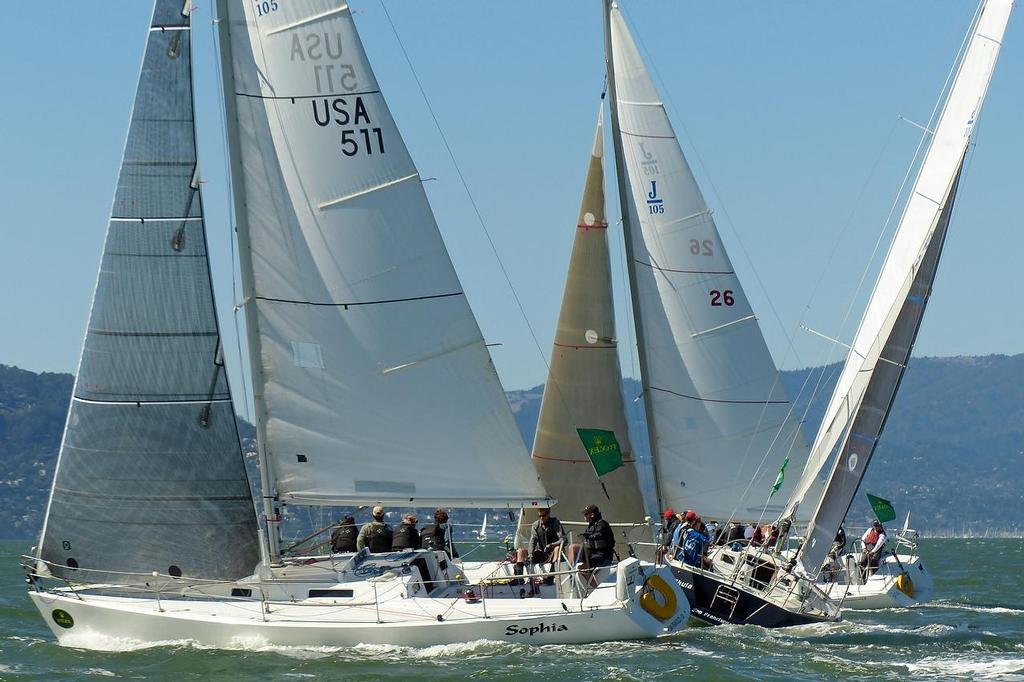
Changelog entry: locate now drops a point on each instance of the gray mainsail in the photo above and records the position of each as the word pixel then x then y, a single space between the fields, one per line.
pixel 150 475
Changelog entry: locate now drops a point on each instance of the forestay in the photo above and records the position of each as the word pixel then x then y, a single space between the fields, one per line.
pixel 150 475
pixel 881 349
pixel 584 386
pixel 372 381
pixel 720 421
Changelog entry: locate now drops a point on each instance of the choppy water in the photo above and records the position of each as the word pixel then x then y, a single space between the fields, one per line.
pixel 974 629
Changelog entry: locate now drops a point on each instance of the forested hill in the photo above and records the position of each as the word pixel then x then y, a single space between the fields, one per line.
pixel 952 453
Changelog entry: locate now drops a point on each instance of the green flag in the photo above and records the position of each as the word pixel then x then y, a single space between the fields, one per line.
pixel 882 508
pixel 780 478
pixel 602 448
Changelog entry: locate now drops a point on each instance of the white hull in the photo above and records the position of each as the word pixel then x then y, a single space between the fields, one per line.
pixel 883 589
pixel 370 613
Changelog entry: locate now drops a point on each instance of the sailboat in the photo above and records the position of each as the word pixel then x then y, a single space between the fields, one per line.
pixel 770 587
pixel 371 380
pixel 583 392
pixel 867 386
pixel 719 421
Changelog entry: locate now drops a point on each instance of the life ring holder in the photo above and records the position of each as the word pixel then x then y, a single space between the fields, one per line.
pixel 664 609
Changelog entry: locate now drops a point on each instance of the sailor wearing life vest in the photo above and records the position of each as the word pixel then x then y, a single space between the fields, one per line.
pixel 343 539
pixel 406 536
pixel 376 535
pixel 874 542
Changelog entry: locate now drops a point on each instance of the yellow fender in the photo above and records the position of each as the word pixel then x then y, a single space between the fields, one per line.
pixel 664 609
pixel 905 584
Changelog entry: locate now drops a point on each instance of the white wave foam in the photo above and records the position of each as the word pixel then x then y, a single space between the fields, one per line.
pixel 99 642
pixel 101 672
pixel 979 668
pixel 943 604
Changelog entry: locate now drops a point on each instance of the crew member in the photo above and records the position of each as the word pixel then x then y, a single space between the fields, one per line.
pixel 598 540
pixel 343 539
pixel 406 536
pixel 874 542
pixel 438 535
pixel 694 544
pixel 668 529
pixel 376 535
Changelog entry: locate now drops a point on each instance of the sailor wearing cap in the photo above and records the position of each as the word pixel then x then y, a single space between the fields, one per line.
pixel 376 535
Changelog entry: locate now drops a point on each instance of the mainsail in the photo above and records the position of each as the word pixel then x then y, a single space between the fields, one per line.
pixel 719 419
pixel 150 475
pixel 881 348
pixel 372 382
pixel 584 386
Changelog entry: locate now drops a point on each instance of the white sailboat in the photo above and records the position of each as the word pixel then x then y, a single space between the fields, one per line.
pixel 366 362
pixel 719 421
pixel 867 386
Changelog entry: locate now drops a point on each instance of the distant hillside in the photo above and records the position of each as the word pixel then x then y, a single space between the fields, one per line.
pixel 952 453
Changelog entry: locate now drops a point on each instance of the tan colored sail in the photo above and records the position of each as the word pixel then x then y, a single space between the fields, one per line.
pixel 584 386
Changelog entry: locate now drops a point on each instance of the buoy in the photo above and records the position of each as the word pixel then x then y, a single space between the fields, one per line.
pixel 905 584
pixel 662 611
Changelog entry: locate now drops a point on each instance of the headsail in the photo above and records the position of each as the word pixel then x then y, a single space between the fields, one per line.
pixel 719 419
pixel 371 378
pixel 150 475
pixel 881 349
pixel 584 386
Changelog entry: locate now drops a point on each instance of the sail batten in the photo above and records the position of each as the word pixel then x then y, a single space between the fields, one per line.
pixel 719 420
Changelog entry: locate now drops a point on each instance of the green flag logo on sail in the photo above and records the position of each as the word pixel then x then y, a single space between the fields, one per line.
pixel 602 448
pixel 882 508
pixel 780 478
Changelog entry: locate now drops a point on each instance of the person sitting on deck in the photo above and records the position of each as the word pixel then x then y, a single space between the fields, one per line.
pixel 598 540
pixel 406 536
pixel 376 535
pixel 874 542
pixel 546 540
pixel 343 539
pixel 438 535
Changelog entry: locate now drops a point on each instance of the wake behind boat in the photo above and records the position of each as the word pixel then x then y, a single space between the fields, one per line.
pixel 366 363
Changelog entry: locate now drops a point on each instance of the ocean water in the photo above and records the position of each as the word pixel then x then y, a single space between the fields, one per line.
pixel 974 629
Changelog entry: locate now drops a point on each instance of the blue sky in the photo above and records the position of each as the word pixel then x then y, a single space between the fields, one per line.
pixel 788 113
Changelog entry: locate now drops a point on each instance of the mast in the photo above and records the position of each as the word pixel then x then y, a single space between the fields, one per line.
pixel 270 549
pixel 625 202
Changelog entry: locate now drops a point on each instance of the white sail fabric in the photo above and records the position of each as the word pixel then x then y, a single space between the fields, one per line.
pixel 373 377
pixel 720 419
pixel 584 386
pixel 882 345
pixel 150 475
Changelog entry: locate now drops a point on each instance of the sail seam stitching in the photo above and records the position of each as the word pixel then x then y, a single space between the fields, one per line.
pixel 149 402
pixel 308 20
pixel 716 400
pixel 690 272
pixel 295 97
pixel 358 303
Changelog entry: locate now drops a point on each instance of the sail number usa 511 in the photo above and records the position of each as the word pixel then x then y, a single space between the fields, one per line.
pixel 358 134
